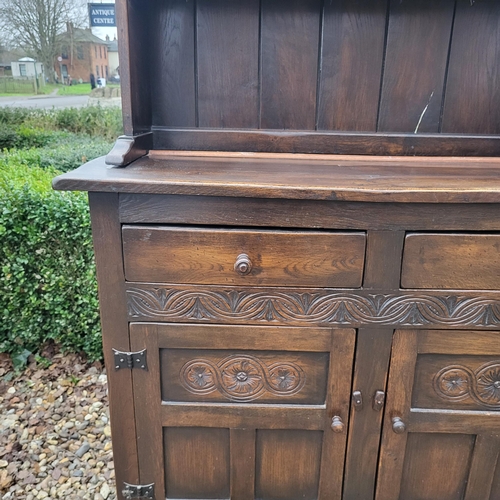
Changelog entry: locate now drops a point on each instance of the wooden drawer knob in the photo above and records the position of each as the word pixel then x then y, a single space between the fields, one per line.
pixel 398 426
pixel 243 264
pixel 337 424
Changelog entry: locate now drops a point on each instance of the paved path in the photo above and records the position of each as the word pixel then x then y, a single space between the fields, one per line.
pixel 55 101
pixel 50 101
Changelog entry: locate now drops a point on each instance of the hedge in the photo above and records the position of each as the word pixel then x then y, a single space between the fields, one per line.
pixel 64 151
pixel 48 290
pixel 94 121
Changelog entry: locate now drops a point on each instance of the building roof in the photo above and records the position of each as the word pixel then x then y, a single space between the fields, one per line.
pixel 112 46
pixel 81 36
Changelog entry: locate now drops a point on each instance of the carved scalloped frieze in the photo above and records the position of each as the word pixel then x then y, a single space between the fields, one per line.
pixel 242 377
pixel 218 304
pixel 458 382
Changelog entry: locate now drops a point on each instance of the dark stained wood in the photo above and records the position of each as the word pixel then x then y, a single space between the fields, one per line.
pixel 133 21
pixel 454 421
pixel 373 348
pixel 451 261
pixel 495 487
pixel 173 84
pixel 313 307
pixel 372 179
pixel 289 40
pixel 428 392
pixel 287 464
pixel 240 416
pixel 122 15
pixel 129 148
pixel 348 143
pixel 463 357
pixel 307 161
pixel 392 452
pixel 473 89
pixel 203 210
pixel 242 463
pixel 197 462
pixel 337 404
pixel 107 246
pixel 147 396
pixel 448 403
pixel 228 63
pixel 482 468
pixel 459 343
pixel 436 466
pixel 353 40
pixel 383 259
pixel 414 72
pixel 283 377
pixel 192 255
pixel 244 337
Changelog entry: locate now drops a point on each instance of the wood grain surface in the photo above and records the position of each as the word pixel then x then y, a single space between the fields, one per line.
pixel 196 255
pixel 462 180
pixel 451 261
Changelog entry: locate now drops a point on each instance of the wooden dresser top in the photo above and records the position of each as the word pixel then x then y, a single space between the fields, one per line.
pixel 320 177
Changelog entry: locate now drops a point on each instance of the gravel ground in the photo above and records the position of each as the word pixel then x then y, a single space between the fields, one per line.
pixel 54 431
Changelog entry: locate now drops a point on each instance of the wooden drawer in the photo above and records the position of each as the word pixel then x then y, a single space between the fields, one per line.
pixel 451 261
pixel 220 256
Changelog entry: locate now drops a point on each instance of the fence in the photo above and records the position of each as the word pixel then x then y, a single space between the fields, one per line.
pixel 11 85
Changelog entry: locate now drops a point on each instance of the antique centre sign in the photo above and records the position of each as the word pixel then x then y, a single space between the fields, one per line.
pixel 102 14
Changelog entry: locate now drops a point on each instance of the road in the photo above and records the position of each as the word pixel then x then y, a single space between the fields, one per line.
pixel 54 101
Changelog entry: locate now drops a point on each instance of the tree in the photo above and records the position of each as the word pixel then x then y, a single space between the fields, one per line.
pixel 35 24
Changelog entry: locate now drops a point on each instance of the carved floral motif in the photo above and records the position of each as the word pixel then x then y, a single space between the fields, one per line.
pixel 458 382
pixel 242 377
pixel 217 304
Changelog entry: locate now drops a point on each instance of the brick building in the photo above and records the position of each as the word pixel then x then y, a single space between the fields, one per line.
pixel 82 53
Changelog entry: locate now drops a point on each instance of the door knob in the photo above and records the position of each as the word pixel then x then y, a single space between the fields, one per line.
pixel 337 424
pixel 398 426
pixel 243 264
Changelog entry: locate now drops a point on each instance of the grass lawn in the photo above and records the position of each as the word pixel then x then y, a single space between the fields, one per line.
pixel 45 89
pixel 78 89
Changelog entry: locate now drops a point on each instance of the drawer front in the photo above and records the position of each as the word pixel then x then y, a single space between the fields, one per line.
pixel 218 256
pixel 451 261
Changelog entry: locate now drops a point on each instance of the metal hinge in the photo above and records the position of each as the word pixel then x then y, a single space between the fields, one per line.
pixel 138 491
pixel 130 359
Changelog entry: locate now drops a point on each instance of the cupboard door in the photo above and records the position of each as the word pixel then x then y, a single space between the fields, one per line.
pixel 441 431
pixel 242 412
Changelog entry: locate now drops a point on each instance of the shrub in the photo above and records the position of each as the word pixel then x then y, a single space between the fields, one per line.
pixel 8 137
pixel 48 289
pixel 66 152
pixel 95 121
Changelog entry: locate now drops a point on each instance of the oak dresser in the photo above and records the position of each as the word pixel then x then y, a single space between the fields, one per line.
pixel 298 250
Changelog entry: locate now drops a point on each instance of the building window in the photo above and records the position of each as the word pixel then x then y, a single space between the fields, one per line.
pixel 102 70
pixel 22 69
pixel 64 54
pixel 79 52
pixel 104 50
pixel 100 51
pixel 95 48
pixel 97 71
pixel 107 73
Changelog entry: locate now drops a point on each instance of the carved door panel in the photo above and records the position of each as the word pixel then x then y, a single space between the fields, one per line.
pixel 242 412
pixel 441 431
